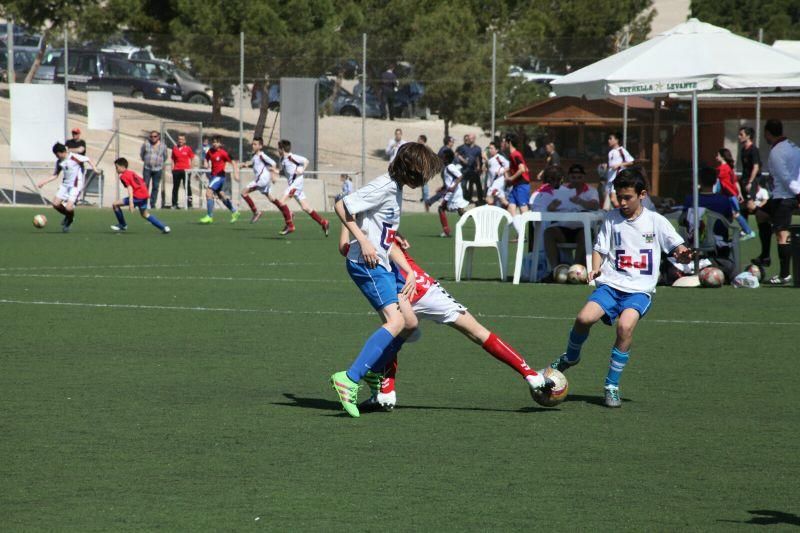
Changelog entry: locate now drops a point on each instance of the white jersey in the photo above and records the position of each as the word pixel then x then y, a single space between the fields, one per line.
pixel 72 167
pixel 542 198
pixel 497 166
pixel 615 157
pixel 455 198
pixel 292 166
pixel 631 250
pixel 566 194
pixel 392 148
pixel 376 207
pixel 261 165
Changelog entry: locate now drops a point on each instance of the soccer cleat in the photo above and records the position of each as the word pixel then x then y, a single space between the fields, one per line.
pixel 347 391
pixel 761 261
pixel 65 229
pixel 289 228
pixel 119 228
pixel 235 216
pixel 612 398
pixel 165 230
pixel 562 363
pixel 207 220
pixel 326 226
pixel 373 380
pixel 444 235
pixel 747 236
pixel 256 216
pixel 777 280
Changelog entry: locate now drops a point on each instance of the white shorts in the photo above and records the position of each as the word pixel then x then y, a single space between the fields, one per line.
pixel 295 190
pixel 261 186
pixel 497 188
pixel 455 200
pixel 69 193
pixel 439 306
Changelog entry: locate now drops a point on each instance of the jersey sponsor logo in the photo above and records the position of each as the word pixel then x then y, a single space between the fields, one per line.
pixel 644 263
pixel 649 238
pixel 387 236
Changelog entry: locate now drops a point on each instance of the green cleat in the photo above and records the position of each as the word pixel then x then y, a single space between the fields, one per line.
pixel 347 390
pixel 562 363
pixel 235 216
pixel 207 220
pixel 373 380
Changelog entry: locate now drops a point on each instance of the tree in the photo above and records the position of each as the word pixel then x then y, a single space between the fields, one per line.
pixel 780 19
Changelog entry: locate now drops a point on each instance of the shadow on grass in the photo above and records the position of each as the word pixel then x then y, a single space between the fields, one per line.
pixel 333 405
pixel 594 400
pixel 765 517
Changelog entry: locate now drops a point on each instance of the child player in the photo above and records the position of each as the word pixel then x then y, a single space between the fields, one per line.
pixel 70 165
pixel 218 158
pixel 265 171
pixel 431 301
pixel 498 166
pixel 137 197
pixel 454 198
pixel 293 166
pixel 625 265
pixel 372 215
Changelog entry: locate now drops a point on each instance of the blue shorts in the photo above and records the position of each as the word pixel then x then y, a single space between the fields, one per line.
pixel 140 203
pixel 216 183
pixel 520 194
pixel 614 302
pixel 377 284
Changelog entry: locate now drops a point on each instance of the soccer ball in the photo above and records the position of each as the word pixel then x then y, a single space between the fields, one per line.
pixel 40 221
pixel 557 394
pixel 757 271
pixel 712 277
pixel 577 274
pixel 561 273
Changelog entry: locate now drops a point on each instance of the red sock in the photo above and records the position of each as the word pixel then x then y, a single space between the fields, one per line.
pixel 317 218
pixel 251 204
pixel 389 376
pixel 443 218
pixel 284 209
pixel 505 353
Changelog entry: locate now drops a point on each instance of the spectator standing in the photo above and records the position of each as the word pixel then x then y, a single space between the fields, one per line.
pixel 182 155
pixel 206 146
pixel 784 168
pixel 551 157
pixel 730 188
pixel 470 157
pixel 618 158
pixel 153 154
pixel 389 85
pixel 751 179
pixel 423 139
pixel 76 144
pixel 394 144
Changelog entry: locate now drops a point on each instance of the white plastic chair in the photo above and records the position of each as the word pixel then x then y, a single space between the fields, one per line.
pixel 488 221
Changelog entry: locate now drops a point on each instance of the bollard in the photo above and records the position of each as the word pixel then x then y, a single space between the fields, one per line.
pixel 794 236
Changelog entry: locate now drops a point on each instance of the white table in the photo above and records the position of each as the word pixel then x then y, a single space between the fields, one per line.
pixel 586 218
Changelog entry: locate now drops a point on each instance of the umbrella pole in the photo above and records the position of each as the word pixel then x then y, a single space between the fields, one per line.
pixel 625 123
pixel 695 172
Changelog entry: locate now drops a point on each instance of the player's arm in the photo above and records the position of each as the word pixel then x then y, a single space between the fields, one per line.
pixel 597 262
pixel 344 241
pixel 683 254
pixel 368 251
pixel 45 181
pixel 235 165
pixel 91 164
pixel 410 287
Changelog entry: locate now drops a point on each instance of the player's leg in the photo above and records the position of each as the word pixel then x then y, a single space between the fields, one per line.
pixel 283 208
pixel 313 214
pixel 227 203
pixel 620 354
pixel 591 312
pixel 145 214
pixel 121 225
pixel 178 177
pixel 249 201
pixel 209 218
pixel 443 219
pixel 69 208
pixel 289 227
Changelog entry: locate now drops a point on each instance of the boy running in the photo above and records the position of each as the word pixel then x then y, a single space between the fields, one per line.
pixel 137 197
pixel 498 167
pixel 218 158
pixel 454 197
pixel 264 170
pixel 70 166
pixel 372 215
pixel 519 177
pixel 431 301
pixel 293 166
pixel 625 263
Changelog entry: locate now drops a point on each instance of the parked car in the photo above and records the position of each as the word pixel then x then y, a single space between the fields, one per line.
pixel 94 70
pixel 23 59
pixel 194 90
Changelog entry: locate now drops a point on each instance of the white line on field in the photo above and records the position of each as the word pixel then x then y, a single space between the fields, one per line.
pixel 129 266
pixel 156 277
pixel 353 313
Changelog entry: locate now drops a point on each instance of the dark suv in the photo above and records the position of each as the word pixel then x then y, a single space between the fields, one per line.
pixel 90 70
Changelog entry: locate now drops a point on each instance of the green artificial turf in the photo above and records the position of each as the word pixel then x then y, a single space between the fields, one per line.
pixel 179 382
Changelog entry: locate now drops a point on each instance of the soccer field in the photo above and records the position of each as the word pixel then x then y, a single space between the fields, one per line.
pixel 180 382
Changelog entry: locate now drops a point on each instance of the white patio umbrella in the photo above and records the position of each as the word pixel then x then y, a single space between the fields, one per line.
pixel 691 57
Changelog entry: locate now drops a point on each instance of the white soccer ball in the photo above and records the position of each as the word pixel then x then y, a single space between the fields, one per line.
pixel 39 221
pixel 577 274
pixel 560 273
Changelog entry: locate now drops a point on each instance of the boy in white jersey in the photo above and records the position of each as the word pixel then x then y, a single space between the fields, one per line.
pixel 265 171
pixel 618 159
pixel 625 264
pixel 454 197
pixel 293 166
pixel 372 216
pixel 70 166
pixel 498 169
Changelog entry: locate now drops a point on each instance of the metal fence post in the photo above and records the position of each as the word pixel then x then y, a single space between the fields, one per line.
pixel 363 109
pixel 494 81
pixel 66 86
pixel 13 187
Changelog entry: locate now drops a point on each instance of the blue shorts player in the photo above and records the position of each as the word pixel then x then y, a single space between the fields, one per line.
pixel 372 216
pixel 217 158
pixel 519 178
pixel 625 266
pixel 138 196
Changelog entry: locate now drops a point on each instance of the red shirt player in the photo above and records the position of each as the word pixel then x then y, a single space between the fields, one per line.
pixel 218 159
pixel 138 195
pixel 182 155
pixel 519 178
